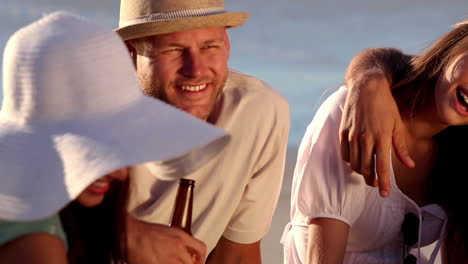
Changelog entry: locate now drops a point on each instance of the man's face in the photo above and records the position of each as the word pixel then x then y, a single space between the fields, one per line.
pixel 186 69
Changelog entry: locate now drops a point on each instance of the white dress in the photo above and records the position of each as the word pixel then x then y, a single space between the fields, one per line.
pixel 325 186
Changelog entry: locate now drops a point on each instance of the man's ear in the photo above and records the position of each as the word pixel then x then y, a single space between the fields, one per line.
pixel 227 42
pixel 132 51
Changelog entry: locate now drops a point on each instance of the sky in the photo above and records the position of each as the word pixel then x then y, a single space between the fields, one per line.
pixel 300 47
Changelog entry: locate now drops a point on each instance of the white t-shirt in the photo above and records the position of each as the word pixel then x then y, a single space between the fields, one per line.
pixel 236 192
pixel 325 186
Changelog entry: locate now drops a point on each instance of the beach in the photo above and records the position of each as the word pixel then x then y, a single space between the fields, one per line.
pixel 272 249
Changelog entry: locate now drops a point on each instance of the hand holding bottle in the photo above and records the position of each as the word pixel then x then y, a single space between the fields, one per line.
pixel 182 213
pixel 150 243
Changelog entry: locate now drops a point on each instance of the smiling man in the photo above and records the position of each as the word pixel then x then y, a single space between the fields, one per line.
pixel 181 50
pixel 186 69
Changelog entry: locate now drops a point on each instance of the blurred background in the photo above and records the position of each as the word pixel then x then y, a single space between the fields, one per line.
pixel 300 47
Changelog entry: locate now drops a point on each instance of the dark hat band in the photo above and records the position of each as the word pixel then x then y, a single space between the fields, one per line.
pixel 188 13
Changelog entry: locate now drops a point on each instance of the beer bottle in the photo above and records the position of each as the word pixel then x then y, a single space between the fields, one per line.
pixel 182 212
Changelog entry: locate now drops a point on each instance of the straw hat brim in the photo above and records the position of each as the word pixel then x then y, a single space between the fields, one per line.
pixel 140 30
pixel 47 166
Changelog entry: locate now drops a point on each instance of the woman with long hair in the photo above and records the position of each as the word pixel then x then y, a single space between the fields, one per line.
pixel 337 218
pixel 73 112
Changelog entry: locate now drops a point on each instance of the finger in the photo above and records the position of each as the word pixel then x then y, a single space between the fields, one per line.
pixel 354 158
pixel 196 259
pixel 344 145
pixel 375 182
pixel 367 158
pixel 178 248
pixel 196 248
pixel 399 144
pixel 185 256
pixel 383 166
pixel 184 246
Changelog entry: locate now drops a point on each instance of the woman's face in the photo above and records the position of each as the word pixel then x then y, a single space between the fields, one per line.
pixel 95 193
pixel 451 93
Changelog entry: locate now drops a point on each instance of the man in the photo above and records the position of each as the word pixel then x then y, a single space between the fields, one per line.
pixel 181 49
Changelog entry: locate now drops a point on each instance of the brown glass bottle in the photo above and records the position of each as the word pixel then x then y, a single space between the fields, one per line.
pixel 182 213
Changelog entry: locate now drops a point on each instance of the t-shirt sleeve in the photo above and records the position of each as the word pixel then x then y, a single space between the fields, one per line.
pixel 10 230
pixel 326 185
pixel 253 216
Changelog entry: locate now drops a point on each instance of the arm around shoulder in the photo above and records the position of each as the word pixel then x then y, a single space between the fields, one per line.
pixel 39 248
pixel 371 122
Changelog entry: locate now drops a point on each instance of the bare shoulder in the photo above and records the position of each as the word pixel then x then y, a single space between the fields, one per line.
pixel 35 248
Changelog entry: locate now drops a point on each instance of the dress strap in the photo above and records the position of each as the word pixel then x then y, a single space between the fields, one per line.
pixel 439 242
pixel 438 212
pixel 419 235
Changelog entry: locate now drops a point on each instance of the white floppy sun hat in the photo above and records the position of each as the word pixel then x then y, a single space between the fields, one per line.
pixel 73 111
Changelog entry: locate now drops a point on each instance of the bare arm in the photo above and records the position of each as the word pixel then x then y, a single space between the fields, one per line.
pixel 371 121
pixel 326 241
pixel 229 252
pixel 40 248
pixel 389 63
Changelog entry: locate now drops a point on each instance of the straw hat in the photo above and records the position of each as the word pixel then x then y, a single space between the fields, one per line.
pixel 73 111
pixel 141 18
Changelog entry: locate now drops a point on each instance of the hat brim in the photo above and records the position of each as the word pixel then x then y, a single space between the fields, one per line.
pixel 140 30
pixel 45 167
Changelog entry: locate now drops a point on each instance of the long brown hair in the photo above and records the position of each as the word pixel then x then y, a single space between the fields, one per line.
pixel 448 178
pixel 447 186
pixel 98 235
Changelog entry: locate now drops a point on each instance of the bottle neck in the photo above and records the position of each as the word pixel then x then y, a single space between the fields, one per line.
pixel 182 214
